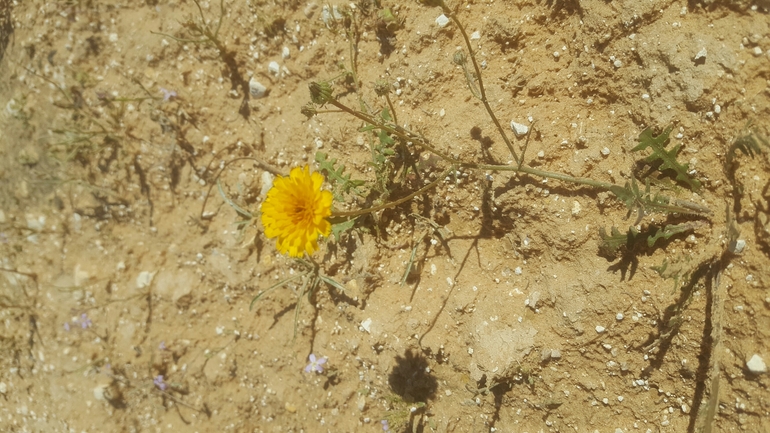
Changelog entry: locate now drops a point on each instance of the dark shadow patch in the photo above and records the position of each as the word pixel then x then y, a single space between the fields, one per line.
pixel 411 379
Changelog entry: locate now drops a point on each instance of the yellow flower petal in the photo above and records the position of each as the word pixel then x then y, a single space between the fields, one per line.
pixel 295 212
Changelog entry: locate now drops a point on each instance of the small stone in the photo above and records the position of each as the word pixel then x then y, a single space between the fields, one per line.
pixel 576 208
pixel 701 54
pixel 757 51
pixel 367 325
pixel 756 364
pixel 285 53
pixel 545 355
pixel 619 317
pixel 519 129
pixel 3 388
pixel 257 89
pixel 555 354
pixel 274 68
pixel 144 279
pixel 600 329
pixel 646 97
pixel 617 63
pixel 475 35
pixel 737 246
pixel 290 407
pixel 442 20
pixel 267 183
pixel 555 54
pixel 605 151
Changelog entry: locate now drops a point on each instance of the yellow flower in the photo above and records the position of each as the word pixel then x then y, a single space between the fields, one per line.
pixel 295 211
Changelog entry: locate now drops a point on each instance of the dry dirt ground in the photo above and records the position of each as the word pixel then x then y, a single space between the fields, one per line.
pixel 122 261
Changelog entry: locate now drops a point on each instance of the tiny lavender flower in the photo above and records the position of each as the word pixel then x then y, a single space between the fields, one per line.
pixel 158 381
pixel 85 322
pixel 162 345
pixel 385 426
pixel 315 364
pixel 168 94
pixel 67 326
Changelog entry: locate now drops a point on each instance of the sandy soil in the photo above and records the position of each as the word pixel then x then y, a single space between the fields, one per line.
pixel 122 262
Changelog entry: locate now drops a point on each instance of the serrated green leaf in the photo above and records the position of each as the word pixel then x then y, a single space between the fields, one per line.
pixel 338 229
pixel 667 158
pixel 342 182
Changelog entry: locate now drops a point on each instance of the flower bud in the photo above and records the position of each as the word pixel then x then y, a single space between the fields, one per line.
pixel 320 93
pixel 381 88
pixel 309 110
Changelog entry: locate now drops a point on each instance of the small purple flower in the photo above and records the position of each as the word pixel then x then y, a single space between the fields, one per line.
pixel 162 345
pixel 85 322
pixel 315 364
pixel 67 326
pixel 158 381
pixel 167 94
pixel 385 426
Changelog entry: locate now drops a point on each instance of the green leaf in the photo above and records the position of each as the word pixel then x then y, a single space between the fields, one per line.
pixel 343 183
pixel 339 228
pixel 666 158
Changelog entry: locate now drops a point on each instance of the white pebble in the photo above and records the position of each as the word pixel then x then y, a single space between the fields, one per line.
pixel 475 35
pixel 576 208
pixel 257 89
pixel 285 53
pixel 617 63
pixel 517 271
pixel 113 37
pixel 756 364
pixel 600 329
pixel 619 316
pixel 701 54
pixel 757 51
pixel 274 68
pixel 367 325
pixel 519 129
pixel 3 388
pixel 606 151
pixel 646 97
pixel 144 279
pixel 442 20
pixel 556 54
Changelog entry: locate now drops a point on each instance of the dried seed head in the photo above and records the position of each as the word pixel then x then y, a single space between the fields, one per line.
pixel 459 58
pixel 309 110
pixel 320 93
pixel 381 88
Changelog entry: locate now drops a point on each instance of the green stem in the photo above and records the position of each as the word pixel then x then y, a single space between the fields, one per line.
pixel 448 12
pixel 423 190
